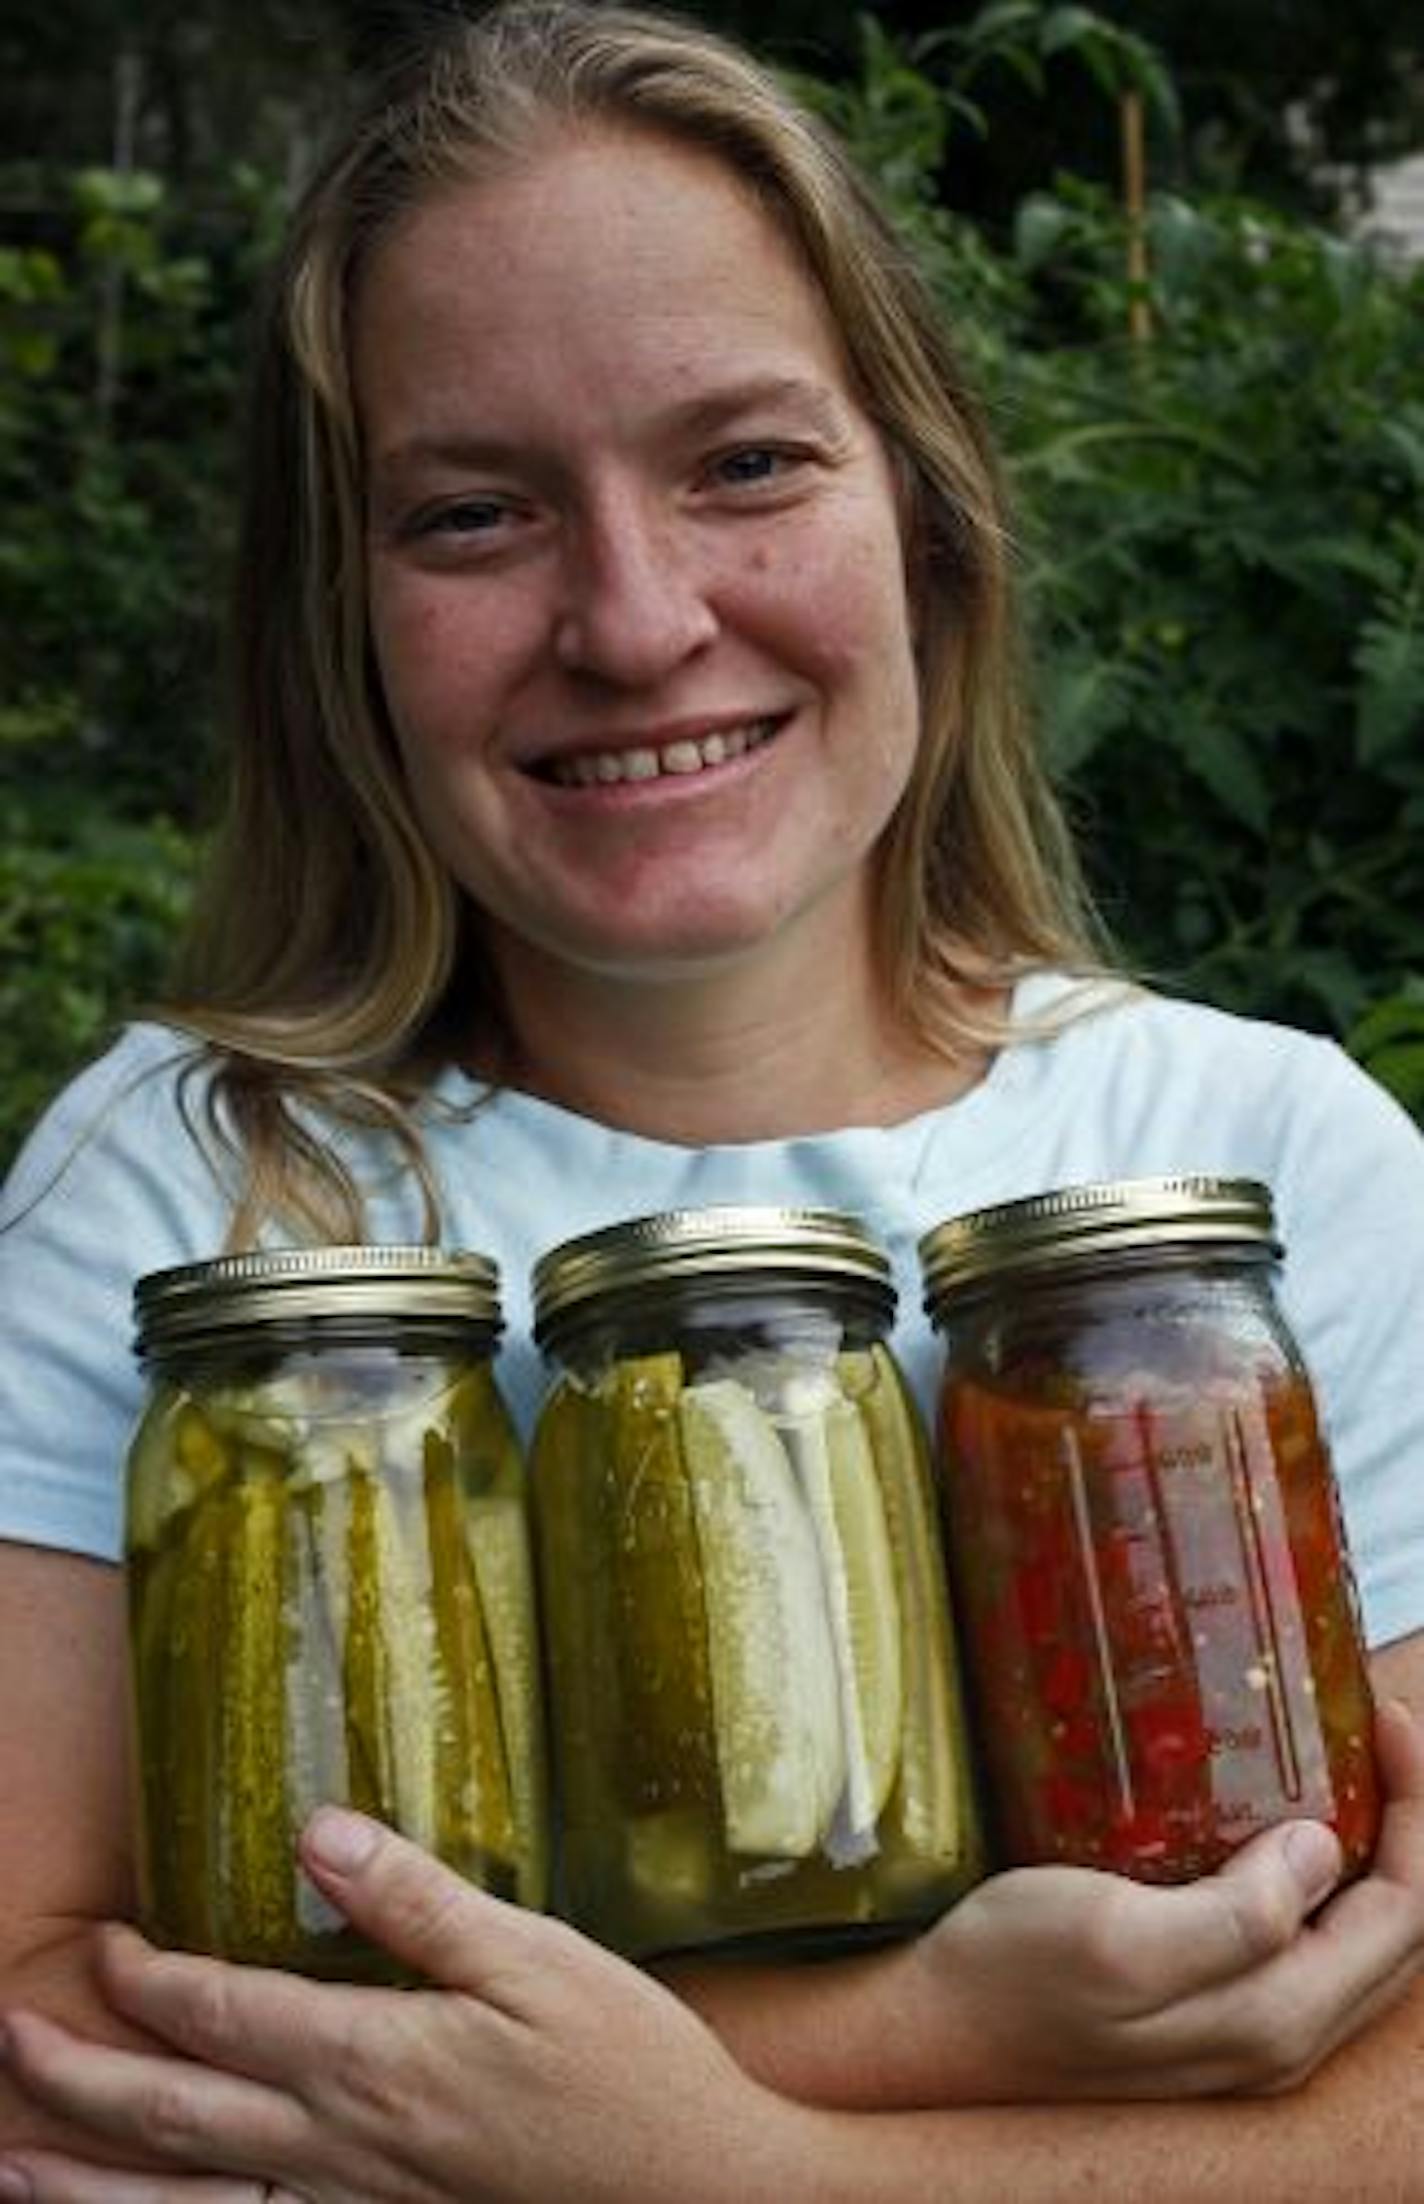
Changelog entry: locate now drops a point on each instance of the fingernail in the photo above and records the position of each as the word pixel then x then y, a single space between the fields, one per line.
pixel 1313 1855
pixel 340 1841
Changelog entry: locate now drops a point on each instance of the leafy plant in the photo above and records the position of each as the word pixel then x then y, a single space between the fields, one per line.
pixel 1222 549
pixel 87 917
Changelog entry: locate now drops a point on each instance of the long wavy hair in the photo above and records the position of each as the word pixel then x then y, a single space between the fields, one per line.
pixel 332 959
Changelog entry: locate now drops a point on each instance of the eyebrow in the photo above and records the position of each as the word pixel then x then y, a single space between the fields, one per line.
pixel 703 415
pixel 716 408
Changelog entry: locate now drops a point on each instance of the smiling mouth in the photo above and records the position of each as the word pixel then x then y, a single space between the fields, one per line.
pixel 679 760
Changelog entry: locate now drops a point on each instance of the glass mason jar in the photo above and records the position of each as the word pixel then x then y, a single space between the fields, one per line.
pixel 1160 1624
pixel 753 1698
pixel 330 1591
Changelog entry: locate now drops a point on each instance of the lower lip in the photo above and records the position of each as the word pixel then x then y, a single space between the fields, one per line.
pixel 667 787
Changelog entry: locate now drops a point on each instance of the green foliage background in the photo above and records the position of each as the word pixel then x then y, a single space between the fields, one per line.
pixel 1221 543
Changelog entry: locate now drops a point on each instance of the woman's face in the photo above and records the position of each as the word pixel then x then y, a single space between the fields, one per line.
pixel 637 587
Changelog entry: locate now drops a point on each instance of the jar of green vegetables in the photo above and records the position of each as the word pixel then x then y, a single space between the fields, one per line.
pixel 330 1590
pixel 754 1704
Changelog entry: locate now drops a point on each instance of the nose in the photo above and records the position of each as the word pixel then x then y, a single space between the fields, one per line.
pixel 635 600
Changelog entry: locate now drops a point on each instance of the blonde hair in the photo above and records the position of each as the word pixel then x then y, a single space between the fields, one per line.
pixel 331 951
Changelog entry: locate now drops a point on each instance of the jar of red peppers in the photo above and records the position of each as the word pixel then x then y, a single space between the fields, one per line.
pixel 1160 1627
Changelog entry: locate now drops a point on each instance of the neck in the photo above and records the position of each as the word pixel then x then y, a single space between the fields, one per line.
pixel 732 1055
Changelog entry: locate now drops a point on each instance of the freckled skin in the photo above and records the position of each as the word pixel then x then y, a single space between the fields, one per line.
pixel 613 571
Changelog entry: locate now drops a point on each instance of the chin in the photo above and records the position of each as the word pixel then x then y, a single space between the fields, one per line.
pixel 686 948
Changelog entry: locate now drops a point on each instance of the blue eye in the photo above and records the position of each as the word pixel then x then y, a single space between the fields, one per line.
pixel 473 516
pixel 755 463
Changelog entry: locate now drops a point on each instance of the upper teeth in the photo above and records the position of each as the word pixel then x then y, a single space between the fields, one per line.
pixel 688 755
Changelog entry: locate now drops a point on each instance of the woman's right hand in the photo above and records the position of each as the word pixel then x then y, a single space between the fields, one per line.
pixel 1090 1986
pixel 1056 1984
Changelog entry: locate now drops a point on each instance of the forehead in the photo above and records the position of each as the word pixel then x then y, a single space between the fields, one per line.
pixel 624 251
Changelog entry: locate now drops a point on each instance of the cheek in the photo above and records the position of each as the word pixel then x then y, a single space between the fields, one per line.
pixel 860 637
pixel 835 598
pixel 425 659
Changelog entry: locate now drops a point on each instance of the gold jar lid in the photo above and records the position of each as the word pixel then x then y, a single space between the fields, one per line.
pixel 746 1244
pixel 287 1285
pixel 1077 1224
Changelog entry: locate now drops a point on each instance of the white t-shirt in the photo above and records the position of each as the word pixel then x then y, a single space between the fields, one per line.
pixel 113 1184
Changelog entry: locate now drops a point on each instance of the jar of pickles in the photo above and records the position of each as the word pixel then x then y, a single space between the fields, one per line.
pixel 754 1707
pixel 1159 1620
pixel 330 1591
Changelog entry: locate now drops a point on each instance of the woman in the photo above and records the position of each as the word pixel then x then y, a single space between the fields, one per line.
pixel 631 809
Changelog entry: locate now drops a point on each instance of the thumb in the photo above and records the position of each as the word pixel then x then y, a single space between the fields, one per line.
pixel 412 1905
pixel 1276 1881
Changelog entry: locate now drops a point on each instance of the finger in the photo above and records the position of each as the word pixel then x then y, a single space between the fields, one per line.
pixel 272 2027
pixel 1168 1945
pixel 1377 1922
pixel 1271 2026
pixel 169 2109
pixel 1253 1909
pixel 430 1918
pixel 46 2177
pixel 1270 2038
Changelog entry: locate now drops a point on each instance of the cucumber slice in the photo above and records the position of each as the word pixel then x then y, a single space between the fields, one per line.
pixel 666 1756
pixel 932 1800
pixel 387 1665
pixel 826 1444
pixel 258 1873
pixel 499 1551
pixel 780 1755
pixel 474 1812
pixel 872 1598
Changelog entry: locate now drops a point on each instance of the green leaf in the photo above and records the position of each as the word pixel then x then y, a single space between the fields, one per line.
pixel 1002 16
pixel 1330 976
pixel 119 193
pixel 1084 703
pixel 1389 710
pixel 1068 27
pixel 1399 1017
pixel 1218 756
pixel 1405 438
pixel 1040 226
pixel 1400 1069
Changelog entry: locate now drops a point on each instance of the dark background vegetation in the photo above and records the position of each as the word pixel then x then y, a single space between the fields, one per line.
pixel 1221 515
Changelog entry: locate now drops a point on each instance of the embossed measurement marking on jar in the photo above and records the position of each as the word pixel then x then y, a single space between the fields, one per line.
pixel 1224 1542
pixel 1087 1548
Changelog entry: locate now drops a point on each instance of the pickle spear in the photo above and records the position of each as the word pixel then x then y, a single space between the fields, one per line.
pixel 499 1550
pixel 474 1811
pixel 386 1666
pixel 929 1799
pixel 576 1620
pixel 316 1746
pixel 667 1757
pixel 179 1684
pixel 258 1874
pixel 177 1456
pixel 773 1669
pixel 826 1442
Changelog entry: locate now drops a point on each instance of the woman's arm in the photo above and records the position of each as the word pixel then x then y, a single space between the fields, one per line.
pixel 65 1853
pixel 545 2067
pixel 1054 1983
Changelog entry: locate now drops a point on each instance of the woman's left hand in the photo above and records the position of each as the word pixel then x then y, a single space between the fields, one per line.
pixel 537 2066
